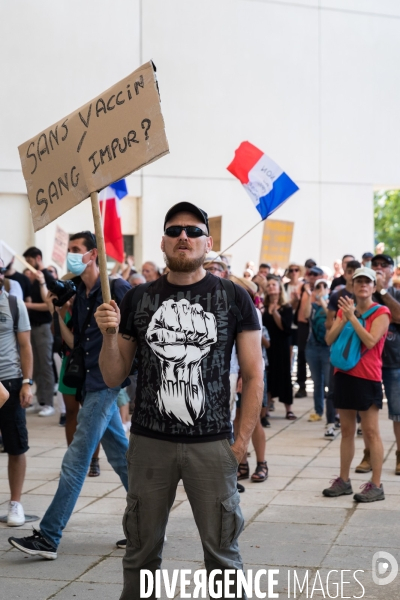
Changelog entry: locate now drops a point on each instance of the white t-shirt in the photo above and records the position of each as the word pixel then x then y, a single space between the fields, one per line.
pixel 10 364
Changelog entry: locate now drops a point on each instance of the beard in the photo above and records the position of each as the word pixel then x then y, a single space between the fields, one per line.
pixel 183 264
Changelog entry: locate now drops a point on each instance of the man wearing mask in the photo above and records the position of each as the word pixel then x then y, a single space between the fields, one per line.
pixel 99 418
pixel 366 259
pixel 41 336
pixel 16 378
pixel 386 294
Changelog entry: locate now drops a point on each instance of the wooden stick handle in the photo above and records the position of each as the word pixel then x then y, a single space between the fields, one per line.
pixel 98 229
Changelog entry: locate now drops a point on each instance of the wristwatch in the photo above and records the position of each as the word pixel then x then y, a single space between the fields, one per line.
pixel 30 381
pixel 383 292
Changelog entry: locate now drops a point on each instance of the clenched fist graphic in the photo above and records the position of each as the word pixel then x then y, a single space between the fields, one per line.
pixel 180 335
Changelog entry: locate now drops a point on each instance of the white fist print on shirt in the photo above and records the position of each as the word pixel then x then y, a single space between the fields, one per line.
pixel 180 335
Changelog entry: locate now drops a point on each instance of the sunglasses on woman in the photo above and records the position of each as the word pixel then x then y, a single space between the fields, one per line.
pixel 2 270
pixel 190 230
pixel 294 270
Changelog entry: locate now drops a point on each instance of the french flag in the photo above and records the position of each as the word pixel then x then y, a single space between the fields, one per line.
pixel 265 182
pixel 112 196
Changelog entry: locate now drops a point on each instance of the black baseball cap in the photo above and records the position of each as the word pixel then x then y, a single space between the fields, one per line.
pixel 187 207
pixel 315 271
pixel 367 255
pixel 310 263
pixel 384 257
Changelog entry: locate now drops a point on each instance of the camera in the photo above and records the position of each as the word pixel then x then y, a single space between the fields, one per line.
pixel 64 290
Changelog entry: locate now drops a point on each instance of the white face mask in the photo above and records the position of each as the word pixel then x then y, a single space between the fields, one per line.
pixel 75 263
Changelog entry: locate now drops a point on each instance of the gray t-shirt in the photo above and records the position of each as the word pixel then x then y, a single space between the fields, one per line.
pixel 10 364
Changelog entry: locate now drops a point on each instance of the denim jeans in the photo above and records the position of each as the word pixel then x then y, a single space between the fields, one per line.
pixel 330 407
pixel 98 420
pixel 209 474
pixel 391 382
pixel 43 374
pixel 318 360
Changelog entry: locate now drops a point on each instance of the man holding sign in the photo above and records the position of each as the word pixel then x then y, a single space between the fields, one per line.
pixel 182 327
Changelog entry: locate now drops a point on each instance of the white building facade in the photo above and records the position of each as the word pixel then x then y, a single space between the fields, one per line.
pixel 313 83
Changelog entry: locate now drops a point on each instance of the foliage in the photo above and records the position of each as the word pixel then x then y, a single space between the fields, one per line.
pixel 387 220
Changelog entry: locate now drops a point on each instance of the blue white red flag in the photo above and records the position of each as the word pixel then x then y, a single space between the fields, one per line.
pixel 265 182
pixel 112 196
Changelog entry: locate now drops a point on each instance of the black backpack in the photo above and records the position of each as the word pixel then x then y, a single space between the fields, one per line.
pixel 14 310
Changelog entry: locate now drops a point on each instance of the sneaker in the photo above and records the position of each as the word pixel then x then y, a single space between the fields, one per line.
pixel 330 433
pixel 33 408
pixel 240 488
pixel 337 423
pixel 121 544
pixel 370 493
pixel 314 417
pixel 301 393
pixel 35 545
pixel 365 465
pixel 62 421
pixel 46 411
pixel 265 422
pixel 16 516
pixel 359 431
pixel 338 488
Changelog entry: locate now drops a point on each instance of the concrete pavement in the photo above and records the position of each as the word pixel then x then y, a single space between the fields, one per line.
pixel 289 524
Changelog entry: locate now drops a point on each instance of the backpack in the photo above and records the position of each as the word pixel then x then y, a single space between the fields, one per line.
pixel 346 349
pixel 318 320
pixel 14 310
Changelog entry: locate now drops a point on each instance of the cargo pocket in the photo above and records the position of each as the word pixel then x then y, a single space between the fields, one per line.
pixel 130 522
pixel 232 521
pixel 230 453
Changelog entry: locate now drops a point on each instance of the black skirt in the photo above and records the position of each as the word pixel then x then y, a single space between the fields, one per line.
pixel 356 393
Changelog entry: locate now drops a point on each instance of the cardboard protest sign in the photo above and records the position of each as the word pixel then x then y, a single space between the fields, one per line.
pixel 276 243
pixel 7 254
pixel 115 134
pixel 60 247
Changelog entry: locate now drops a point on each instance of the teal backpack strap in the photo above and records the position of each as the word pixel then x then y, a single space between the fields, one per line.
pixel 370 311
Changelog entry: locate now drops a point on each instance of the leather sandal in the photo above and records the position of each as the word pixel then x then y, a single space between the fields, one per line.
pixel 290 416
pixel 243 471
pixel 94 469
pixel 261 472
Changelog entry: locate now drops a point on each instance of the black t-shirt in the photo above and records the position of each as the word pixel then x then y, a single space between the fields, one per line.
pixel 337 281
pixel 391 349
pixel 39 317
pixel 334 298
pixel 23 282
pixel 185 336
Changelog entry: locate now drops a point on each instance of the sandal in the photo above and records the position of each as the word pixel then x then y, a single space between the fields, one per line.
pixel 290 416
pixel 261 472
pixel 94 469
pixel 243 471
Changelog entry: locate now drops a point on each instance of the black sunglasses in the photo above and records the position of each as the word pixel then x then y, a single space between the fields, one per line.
pixel 2 270
pixel 190 230
pixel 294 270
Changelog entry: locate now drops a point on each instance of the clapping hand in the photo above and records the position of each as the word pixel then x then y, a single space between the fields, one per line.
pixel 347 306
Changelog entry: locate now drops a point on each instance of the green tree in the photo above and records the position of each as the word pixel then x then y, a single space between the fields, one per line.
pixel 387 220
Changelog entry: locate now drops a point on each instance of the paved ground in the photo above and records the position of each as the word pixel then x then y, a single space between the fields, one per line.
pixel 289 524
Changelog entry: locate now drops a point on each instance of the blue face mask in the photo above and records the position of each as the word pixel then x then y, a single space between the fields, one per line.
pixel 368 264
pixel 75 264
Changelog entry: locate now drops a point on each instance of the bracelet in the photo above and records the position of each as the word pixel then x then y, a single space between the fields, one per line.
pixel 42 284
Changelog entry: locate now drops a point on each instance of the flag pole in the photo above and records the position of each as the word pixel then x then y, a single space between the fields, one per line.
pixel 98 229
pixel 241 237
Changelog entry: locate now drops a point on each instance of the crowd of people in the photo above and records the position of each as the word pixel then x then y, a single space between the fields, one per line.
pixel 200 357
